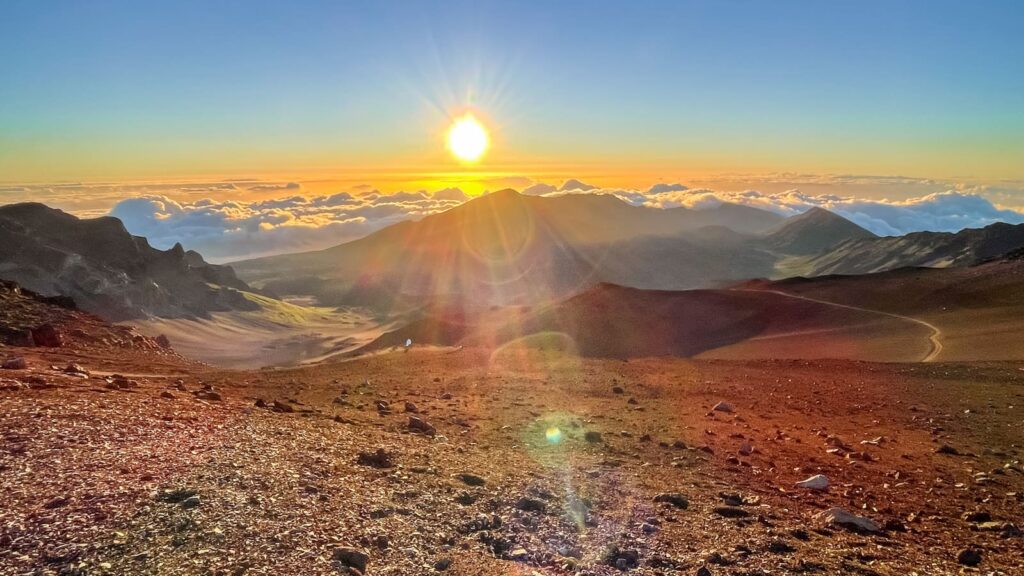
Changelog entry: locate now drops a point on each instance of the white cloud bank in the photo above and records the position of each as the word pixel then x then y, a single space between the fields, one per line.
pixel 223 230
pixel 949 211
pixel 231 220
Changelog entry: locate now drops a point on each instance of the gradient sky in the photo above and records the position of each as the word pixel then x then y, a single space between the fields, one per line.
pixel 621 92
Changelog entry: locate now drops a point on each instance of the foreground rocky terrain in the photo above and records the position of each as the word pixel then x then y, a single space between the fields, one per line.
pixel 468 461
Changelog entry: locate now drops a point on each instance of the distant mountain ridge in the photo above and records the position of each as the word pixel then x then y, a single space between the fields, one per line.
pixel 106 270
pixel 505 248
pixel 967 247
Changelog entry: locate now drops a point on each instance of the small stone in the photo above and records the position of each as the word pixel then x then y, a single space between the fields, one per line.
pixel 351 558
pixel 731 499
pixel 703 571
pixel 209 395
pixel 840 517
pixel 624 559
pixel 816 482
pixel 592 436
pixel 58 502
pixel 76 370
pixel 190 502
pixel 780 547
pixel 977 516
pixel 167 395
pixel 969 557
pixel 282 407
pixel 471 479
pixel 417 424
pixel 674 498
pixel 442 564
pixel 15 363
pixel 947 449
pixel 722 407
pixel 519 554
pixel 530 505
pixel 379 459
pixel 618 390
pixel 175 496
pixel 410 407
pixel 731 512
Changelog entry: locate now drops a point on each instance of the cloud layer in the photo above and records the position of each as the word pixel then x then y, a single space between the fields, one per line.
pixel 229 229
pixel 229 220
pixel 949 211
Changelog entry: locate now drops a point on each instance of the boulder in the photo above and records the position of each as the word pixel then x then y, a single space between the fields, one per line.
pixel 47 335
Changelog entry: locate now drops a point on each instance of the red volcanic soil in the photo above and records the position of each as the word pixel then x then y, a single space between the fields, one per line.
pixel 524 462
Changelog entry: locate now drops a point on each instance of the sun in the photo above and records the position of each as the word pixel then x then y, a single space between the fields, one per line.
pixel 467 138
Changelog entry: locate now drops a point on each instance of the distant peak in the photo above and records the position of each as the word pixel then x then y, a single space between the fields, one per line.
pixel 509 192
pixel 574 184
pixel 818 211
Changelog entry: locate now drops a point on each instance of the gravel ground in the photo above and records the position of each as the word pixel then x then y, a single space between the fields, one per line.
pixel 528 463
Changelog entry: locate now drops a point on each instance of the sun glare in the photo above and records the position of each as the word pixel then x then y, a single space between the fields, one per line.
pixel 467 138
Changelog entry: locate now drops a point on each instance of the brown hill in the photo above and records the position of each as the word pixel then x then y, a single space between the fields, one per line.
pixel 617 322
pixel 977 310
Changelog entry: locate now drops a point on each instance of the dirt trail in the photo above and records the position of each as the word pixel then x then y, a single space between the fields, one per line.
pixel 933 338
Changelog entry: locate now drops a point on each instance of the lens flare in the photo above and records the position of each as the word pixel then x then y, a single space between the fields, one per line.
pixel 553 435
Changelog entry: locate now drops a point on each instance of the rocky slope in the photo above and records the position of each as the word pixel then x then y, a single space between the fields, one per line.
pixel 922 249
pixel 106 270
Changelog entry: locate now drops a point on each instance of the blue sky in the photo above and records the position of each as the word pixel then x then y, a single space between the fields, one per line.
pixel 122 90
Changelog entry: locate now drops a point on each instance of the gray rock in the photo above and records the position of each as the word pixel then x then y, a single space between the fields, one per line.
pixel 969 557
pixel 351 557
pixel 471 479
pixel 816 482
pixel 674 498
pixel 844 519
pixel 15 363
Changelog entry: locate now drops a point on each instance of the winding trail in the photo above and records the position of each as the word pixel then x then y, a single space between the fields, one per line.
pixel 933 338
